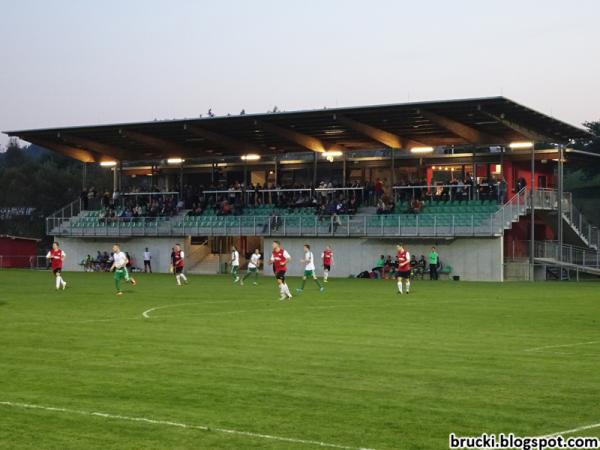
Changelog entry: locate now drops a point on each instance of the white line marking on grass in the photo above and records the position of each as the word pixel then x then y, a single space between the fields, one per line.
pixel 178 425
pixel 146 313
pixel 537 349
pixel 573 430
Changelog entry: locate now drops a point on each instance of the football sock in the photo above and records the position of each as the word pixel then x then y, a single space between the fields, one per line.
pixel 57 282
pixel 303 283
pixel 178 278
pixel 399 286
pixel 326 275
pixel 407 285
pixel 318 284
pixel 183 277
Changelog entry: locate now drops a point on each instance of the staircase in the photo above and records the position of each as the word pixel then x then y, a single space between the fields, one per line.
pixel 511 211
pixel 547 200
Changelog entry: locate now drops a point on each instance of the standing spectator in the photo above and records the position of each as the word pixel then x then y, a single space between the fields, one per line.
pixel 433 264
pixel 378 189
pixel 84 200
pixel 147 261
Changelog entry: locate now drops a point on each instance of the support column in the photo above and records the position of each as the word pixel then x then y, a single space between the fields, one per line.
pixel 83 175
pixel 561 149
pixel 245 185
pixel 344 170
pixel 212 173
pixel 393 177
pixel 532 216
pixel 315 159
pixel 181 181
pixel 116 179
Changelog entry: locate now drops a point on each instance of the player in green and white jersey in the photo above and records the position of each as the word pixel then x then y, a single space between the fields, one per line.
pixel 309 269
pixel 253 267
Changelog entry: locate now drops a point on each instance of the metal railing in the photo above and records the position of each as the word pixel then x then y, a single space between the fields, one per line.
pixel 511 210
pixel 426 225
pixel 450 191
pixel 65 214
pixel 570 254
pixel 588 232
pixel 271 196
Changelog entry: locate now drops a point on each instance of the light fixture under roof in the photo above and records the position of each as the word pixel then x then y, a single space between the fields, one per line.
pixel 250 157
pixel 421 150
pixel 108 163
pixel 332 153
pixel 175 161
pixel 520 145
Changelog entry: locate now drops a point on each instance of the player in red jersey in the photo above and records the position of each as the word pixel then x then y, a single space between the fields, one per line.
pixel 56 257
pixel 403 273
pixel 327 257
pixel 178 265
pixel 279 259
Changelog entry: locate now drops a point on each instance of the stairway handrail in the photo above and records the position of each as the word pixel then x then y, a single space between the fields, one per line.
pixel 520 198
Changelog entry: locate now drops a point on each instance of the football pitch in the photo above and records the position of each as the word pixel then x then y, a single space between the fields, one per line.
pixel 213 365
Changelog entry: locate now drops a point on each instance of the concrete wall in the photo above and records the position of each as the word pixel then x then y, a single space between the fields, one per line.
pixel 78 248
pixel 473 259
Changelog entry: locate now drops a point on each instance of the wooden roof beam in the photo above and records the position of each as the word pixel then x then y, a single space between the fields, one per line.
pixel 466 132
pixel 79 154
pixel 222 140
pixel 384 137
pixel 98 147
pixel 166 147
pixel 304 140
pixel 525 132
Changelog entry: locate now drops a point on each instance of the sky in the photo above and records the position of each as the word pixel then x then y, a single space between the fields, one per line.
pixel 66 63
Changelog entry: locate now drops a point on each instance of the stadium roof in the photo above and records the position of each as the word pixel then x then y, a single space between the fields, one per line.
pixel 479 121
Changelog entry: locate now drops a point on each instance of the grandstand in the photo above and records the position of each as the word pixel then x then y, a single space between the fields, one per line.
pixel 479 178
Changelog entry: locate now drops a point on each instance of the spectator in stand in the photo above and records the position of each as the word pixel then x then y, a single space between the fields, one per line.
pixel 84 199
pixel 353 206
pixel 415 206
pixel 501 190
pixel 381 207
pixel 378 188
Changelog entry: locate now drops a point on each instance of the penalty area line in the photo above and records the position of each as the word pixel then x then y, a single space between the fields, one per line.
pixel 168 423
pixel 576 344
pixel 573 430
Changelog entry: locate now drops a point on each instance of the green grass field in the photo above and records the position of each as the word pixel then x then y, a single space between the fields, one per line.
pixel 356 366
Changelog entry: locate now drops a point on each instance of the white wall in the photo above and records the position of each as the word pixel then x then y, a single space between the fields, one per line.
pixel 160 248
pixel 473 259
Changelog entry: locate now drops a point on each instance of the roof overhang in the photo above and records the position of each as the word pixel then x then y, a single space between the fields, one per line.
pixel 475 122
